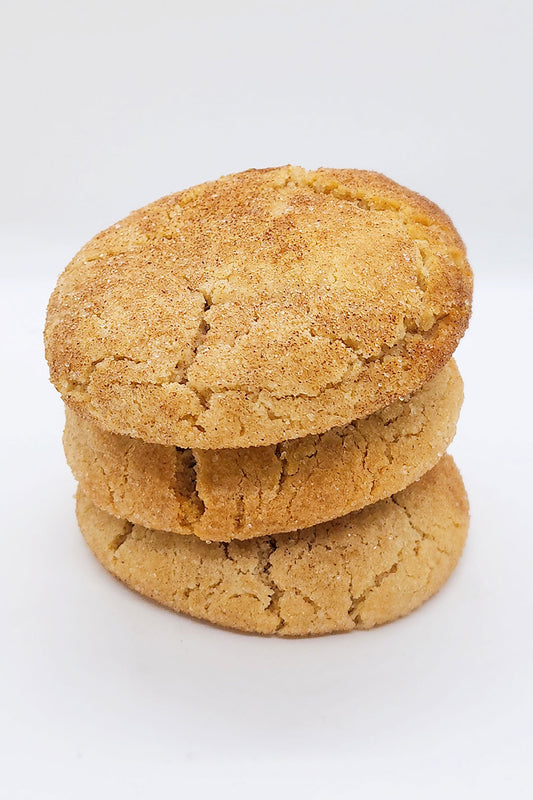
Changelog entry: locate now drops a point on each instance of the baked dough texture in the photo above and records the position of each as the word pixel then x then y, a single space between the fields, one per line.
pixel 264 306
pixel 361 570
pixel 221 495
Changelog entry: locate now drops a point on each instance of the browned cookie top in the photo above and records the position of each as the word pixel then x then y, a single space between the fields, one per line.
pixel 264 306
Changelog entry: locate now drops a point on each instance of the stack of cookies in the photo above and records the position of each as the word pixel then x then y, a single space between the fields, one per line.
pixel 259 389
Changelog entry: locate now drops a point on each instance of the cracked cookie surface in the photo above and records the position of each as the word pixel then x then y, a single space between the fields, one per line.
pixel 361 570
pixel 221 495
pixel 264 306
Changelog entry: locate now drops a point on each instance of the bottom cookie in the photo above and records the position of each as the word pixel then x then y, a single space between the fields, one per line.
pixel 358 571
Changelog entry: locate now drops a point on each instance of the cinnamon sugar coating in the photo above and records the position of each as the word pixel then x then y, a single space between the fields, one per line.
pixel 261 307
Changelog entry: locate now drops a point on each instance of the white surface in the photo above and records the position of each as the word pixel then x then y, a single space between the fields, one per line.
pixel 110 105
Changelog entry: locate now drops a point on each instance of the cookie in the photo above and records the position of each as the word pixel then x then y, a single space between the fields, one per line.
pixel 264 306
pixel 221 495
pixel 361 570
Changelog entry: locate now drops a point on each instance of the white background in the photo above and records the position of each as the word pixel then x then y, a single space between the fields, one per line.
pixel 108 105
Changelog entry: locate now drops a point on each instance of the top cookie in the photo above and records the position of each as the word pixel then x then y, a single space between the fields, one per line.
pixel 264 306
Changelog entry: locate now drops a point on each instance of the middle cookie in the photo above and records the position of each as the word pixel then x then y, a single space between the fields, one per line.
pixel 220 495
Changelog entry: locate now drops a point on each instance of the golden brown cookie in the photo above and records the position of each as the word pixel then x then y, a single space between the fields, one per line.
pixel 358 571
pixel 261 307
pixel 221 495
